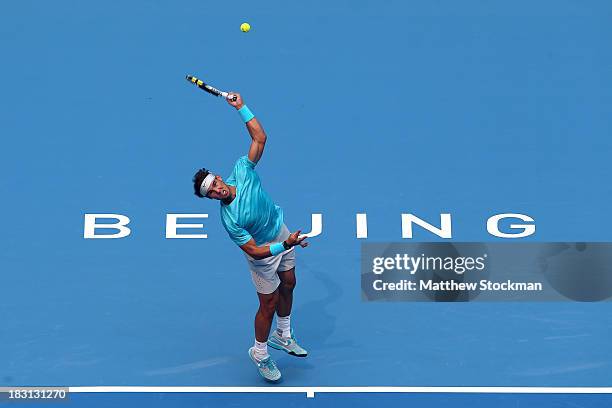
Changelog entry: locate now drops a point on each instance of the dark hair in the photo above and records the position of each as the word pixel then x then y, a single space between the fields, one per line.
pixel 198 178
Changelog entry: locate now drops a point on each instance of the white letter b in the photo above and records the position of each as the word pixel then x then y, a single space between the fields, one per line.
pixel 89 232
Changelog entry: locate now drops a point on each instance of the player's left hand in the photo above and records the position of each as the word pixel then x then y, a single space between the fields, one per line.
pixel 238 103
pixel 295 239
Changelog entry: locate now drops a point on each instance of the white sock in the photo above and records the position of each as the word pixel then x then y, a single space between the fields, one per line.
pixel 283 326
pixel 261 350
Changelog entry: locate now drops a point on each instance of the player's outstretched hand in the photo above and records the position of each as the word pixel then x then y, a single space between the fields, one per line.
pixel 235 103
pixel 295 239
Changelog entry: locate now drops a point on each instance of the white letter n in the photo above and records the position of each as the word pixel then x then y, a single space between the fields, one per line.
pixel 445 230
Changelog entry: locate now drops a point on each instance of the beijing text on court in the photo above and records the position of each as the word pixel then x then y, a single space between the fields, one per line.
pixel 523 228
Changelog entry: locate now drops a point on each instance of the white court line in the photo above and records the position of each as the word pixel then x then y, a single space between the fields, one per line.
pixel 310 391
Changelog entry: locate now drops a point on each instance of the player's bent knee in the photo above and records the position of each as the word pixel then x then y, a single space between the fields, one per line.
pixel 289 284
pixel 287 278
pixel 267 303
pixel 267 309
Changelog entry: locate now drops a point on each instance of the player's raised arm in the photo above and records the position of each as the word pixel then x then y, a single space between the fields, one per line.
pixel 256 131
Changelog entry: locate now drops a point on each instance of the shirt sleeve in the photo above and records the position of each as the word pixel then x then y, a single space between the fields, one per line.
pixel 247 162
pixel 239 235
pixel 243 168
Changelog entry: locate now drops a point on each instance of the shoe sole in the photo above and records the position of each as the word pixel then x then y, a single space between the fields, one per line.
pixel 277 347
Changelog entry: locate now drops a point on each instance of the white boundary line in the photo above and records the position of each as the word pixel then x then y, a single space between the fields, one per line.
pixel 310 391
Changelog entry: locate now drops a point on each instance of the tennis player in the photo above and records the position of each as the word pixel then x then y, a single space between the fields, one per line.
pixel 256 225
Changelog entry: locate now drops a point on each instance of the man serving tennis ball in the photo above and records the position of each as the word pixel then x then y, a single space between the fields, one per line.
pixel 256 225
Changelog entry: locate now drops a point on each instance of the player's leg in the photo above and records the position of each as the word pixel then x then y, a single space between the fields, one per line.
pixel 266 281
pixel 285 291
pixel 286 275
pixel 259 352
pixel 282 338
pixel 268 303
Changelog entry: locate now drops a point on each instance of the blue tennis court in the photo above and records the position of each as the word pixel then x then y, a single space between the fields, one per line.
pixel 471 108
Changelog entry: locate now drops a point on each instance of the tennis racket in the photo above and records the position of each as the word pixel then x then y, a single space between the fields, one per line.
pixel 210 89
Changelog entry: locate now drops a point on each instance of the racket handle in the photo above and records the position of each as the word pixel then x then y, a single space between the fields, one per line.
pixel 226 96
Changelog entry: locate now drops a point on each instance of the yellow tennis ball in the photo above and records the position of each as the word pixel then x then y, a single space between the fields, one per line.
pixel 245 27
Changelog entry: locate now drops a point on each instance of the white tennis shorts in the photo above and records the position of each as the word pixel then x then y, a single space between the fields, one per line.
pixel 264 272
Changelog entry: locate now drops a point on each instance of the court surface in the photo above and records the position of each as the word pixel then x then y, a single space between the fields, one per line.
pixel 471 109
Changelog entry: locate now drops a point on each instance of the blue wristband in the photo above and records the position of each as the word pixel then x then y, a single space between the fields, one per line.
pixel 245 113
pixel 277 248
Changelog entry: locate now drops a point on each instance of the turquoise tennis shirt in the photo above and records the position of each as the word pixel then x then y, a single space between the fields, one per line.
pixel 252 213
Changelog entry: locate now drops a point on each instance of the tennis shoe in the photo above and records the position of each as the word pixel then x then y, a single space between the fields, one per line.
pixel 288 344
pixel 267 367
